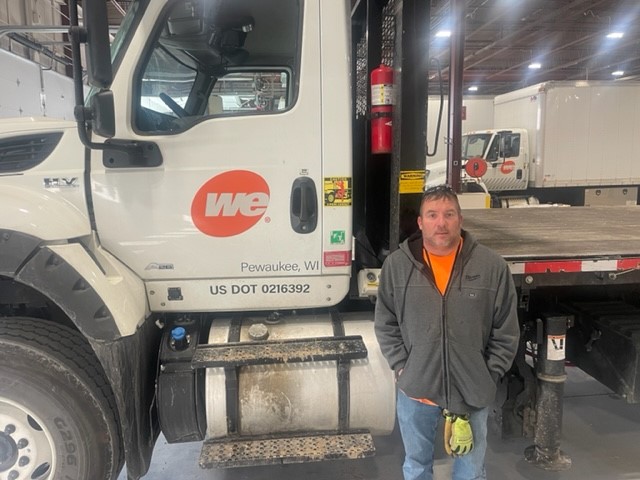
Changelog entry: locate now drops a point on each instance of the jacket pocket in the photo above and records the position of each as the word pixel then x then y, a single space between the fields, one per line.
pixel 470 378
pixel 422 374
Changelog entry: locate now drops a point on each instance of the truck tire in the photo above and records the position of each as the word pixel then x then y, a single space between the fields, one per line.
pixel 58 417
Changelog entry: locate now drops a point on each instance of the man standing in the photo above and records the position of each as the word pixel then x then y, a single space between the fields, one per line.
pixel 447 323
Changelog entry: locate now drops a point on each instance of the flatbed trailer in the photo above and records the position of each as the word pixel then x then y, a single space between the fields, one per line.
pixel 558 233
pixel 577 271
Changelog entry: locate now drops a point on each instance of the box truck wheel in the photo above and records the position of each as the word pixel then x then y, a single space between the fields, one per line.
pixel 57 413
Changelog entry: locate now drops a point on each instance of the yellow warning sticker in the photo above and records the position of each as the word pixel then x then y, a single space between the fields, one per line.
pixel 337 191
pixel 411 181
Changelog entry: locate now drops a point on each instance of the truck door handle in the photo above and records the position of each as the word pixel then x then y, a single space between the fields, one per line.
pixel 304 205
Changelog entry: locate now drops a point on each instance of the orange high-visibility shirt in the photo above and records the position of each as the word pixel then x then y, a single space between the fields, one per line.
pixel 441 266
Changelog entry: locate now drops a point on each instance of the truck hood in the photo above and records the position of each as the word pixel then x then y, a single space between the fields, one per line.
pixel 9 126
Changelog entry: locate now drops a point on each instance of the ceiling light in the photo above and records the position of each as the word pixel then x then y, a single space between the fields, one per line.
pixel 615 35
pixel 535 66
pixel 443 34
pixel 473 88
pixel 618 73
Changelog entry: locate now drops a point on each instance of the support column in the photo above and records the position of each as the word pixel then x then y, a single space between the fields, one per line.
pixel 456 86
pixel 546 453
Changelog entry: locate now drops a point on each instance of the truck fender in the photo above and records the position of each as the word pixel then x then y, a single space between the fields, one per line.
pixel 107 303
pixel 104 300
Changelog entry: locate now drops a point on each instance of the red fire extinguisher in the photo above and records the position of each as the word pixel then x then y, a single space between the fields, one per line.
pixel 382 100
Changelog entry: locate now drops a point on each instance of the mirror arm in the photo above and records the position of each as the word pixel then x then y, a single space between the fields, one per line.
pixel 83 115
pixel 77 34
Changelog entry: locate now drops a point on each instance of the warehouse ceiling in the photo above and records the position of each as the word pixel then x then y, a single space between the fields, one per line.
pixel 568 38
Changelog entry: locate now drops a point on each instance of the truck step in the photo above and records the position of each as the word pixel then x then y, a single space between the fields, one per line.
pixel 279 351
pixel 238 452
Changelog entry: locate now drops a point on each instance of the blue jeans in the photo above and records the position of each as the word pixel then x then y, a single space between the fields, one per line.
pixel 418 424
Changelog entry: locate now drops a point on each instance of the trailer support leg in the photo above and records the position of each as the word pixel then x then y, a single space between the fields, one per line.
pixel 546 453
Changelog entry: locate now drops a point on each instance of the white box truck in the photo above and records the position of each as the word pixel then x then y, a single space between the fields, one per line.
pixel 559 142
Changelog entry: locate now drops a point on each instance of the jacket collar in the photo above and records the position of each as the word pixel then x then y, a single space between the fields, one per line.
pixel 412 246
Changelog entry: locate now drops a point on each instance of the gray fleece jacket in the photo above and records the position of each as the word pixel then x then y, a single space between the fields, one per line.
pixel 452 348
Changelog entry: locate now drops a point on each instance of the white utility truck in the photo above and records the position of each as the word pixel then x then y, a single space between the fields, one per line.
pixel 198 255
pixel 559 142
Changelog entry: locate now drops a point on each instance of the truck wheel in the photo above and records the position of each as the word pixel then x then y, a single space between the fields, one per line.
pixel 57 412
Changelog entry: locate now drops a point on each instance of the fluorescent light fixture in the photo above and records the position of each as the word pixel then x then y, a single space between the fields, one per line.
pixel 615 35
pixel 443 34
pixel 618 73
pixel 535 66
pixel 473 88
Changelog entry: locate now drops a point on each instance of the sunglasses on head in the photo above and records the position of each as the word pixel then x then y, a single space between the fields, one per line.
pixel 438 189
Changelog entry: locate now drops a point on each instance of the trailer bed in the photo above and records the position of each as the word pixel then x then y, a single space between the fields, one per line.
pixel 540 233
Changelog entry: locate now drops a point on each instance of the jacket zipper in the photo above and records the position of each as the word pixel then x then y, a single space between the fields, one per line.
pixel 443 325
pixel 445 341
pixel 445 352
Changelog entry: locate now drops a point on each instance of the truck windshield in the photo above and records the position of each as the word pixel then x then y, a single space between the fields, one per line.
pixel 125 30
pixel 475 145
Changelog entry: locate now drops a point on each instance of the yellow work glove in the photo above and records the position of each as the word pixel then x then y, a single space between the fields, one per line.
pixel 458 437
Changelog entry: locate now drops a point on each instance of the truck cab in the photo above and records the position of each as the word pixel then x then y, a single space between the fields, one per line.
pixel 205 198
pixel 497 160
pixel 234 209
pixel 506 154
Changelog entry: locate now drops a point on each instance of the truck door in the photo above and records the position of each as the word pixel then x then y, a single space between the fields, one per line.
pixel 506 162
pixel 231 219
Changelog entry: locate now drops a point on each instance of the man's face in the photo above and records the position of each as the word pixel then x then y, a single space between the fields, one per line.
pixel 441 225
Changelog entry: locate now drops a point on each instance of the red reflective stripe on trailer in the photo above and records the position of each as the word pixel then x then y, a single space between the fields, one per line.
pixel 519 268
pixel 628 263
pixel 553 267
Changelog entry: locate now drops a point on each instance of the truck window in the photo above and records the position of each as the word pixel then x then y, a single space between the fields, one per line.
pixel 218 58
pixel 250 91
pixel 512 145
pixel 166 85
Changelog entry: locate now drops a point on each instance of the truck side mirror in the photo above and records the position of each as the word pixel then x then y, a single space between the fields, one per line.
pixel 502 147
pixel 98 49
pixel 504 144
pixel 103 114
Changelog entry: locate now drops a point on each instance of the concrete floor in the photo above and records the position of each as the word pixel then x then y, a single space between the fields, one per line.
pixel 601 433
